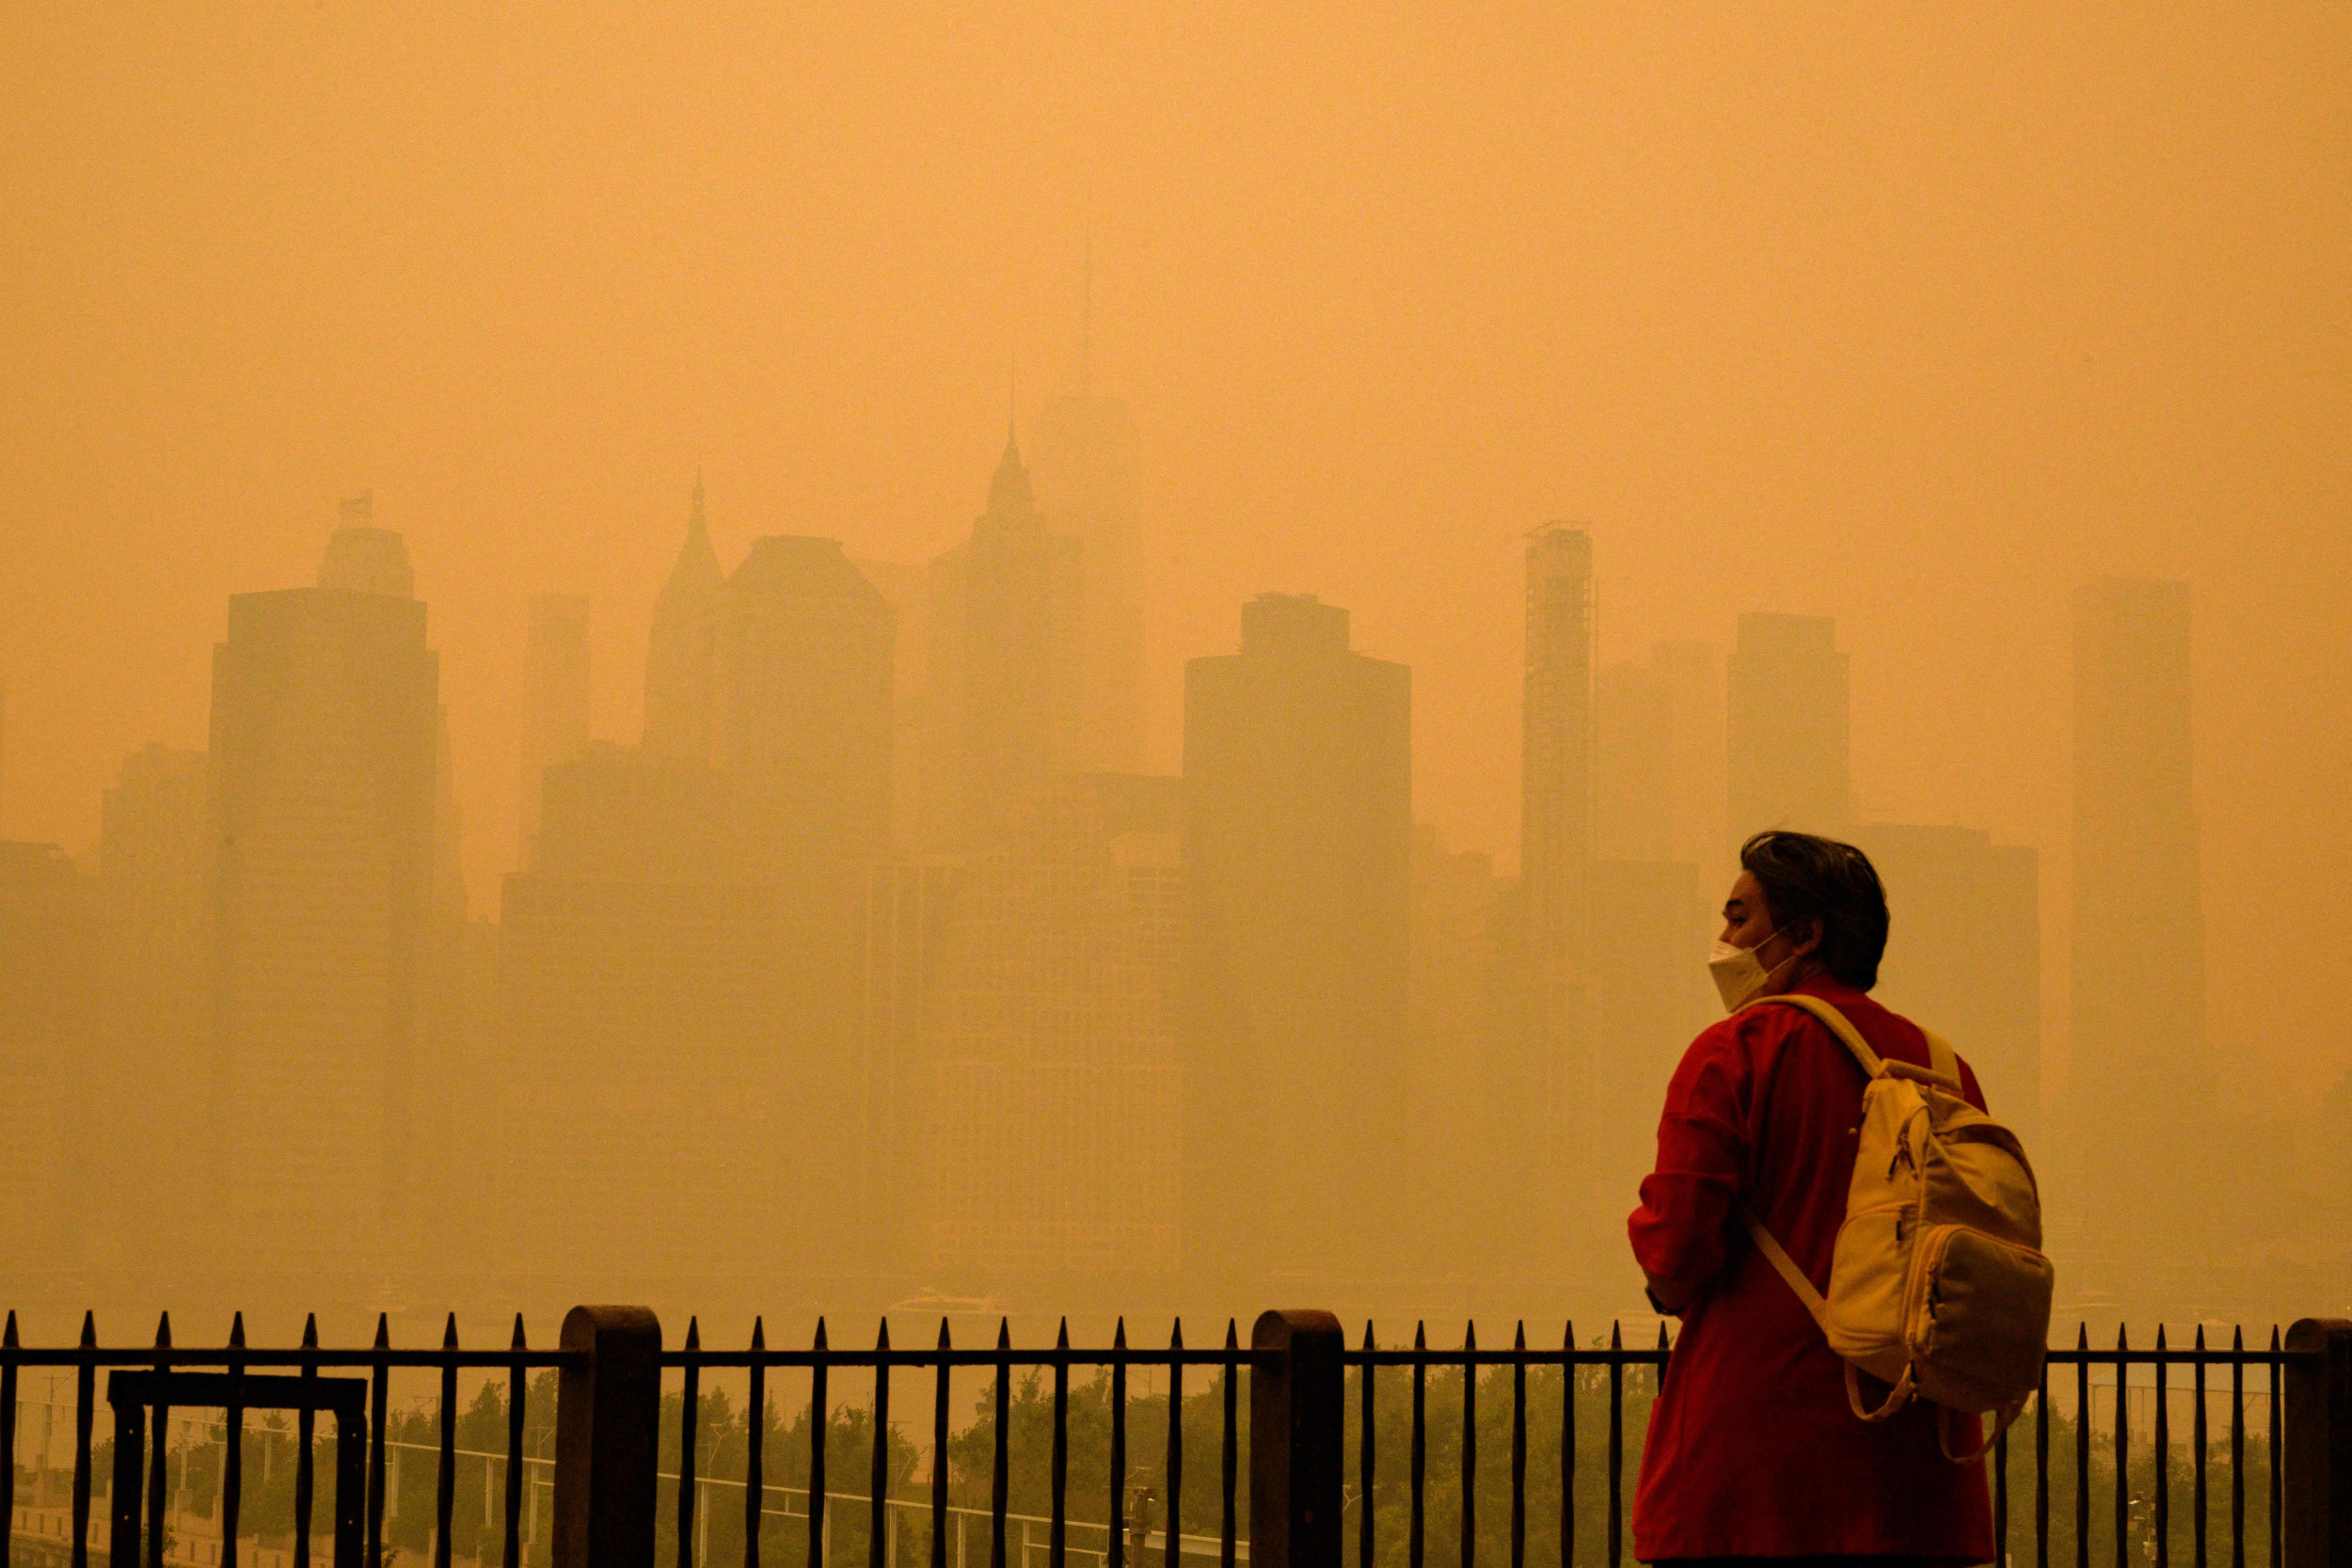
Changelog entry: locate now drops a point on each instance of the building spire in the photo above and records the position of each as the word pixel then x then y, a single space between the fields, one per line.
pixel 1008 490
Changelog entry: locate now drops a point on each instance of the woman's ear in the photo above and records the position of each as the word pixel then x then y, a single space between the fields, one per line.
pixel 1811 937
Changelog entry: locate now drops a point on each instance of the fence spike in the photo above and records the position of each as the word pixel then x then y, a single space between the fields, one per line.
pixel 2082 1336
pixel 163 1331
pixel 1368 1334
pixel 881 1339
pixel 1062 1340
pixel 1568 1337
pixel 2159 1336
pixel 518 1332
pixel 2122 1342
pixel 89 1329
pixel 1176 1336
pixel 1420 1337
pixel 1617 1334
pixel 310 1332
pixel 1232 1340
pixel 382 1331
pixel 449 1332
pixel 236 1332
pixel 820 1334
pixel 1469 1335
pixel 693 1332
pixel 1520 1340
pixel 944 1343
pixel 759 1333
pixel 2237 1337
pixel 1004 1333
pixel 1661 1335
pixel 1119 1334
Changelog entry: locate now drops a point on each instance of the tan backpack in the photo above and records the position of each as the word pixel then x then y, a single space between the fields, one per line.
pixel 1938 1286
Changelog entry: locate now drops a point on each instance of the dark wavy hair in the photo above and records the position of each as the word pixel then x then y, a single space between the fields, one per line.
pixel 1806 877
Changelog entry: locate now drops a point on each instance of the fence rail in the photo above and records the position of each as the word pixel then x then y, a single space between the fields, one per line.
pixel 1325 1471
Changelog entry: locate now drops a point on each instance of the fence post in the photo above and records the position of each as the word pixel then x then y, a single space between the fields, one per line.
pixel 1298 1401
pixel 608 1437
pixel 2316 1477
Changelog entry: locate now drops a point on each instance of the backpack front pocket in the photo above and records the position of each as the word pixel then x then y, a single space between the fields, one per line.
pixel 1977 1316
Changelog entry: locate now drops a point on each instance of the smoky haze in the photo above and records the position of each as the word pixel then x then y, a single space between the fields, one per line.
pixel 555 746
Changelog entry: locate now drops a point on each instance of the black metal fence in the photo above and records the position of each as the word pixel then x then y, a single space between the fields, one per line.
pixel 1379 1452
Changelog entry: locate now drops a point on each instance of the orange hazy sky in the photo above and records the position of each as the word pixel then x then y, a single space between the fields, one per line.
pixel 1913 315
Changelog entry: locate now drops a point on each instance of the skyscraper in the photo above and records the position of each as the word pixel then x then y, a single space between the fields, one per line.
pixel 153 866
pixel 1003 626
pixel 678 652
pixel 1556 742
pixel 1297 874
pixel 1964 954
pixel 555 696
pixel 325 714
pixel 1083 454
pixel 1788 715
pixel 800 715
pixel 1051 1090
pixel 2140 1065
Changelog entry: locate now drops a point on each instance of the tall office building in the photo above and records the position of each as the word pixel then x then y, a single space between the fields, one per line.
pixel 1964 956
pixel 1004 631
pixel 1083 455
pixel 2140 1066
pixel 153 861
pixel 1450 970
pixel 800 712
pixel 1787 715
pixel 1690 675
pixel 1051 1093
pixel 675 1029
pixel 1556 740
pixel 1535 1067
pixel 1297 874
pixel 326 707
pixel 555 696
pixel 678 653
pixel 1633 764
pixel 51 937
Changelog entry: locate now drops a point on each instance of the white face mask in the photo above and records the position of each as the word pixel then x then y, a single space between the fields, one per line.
pixel 1739 976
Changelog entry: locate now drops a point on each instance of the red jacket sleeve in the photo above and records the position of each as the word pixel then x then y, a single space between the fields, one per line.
pixel 1680 1231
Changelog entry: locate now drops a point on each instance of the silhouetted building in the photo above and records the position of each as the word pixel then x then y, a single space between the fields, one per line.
pixel 677 1032
pixel 51 937
pixel 154 857
pixel 1633 764
pixel 1788 712
pixel 1052 1092
pixel 909 906
pixel 1533 1078
pixel 1650 994
pixel 801 715
pixel 1690 676
pixel 1451 1167
pixel 678 653
pixel 1004 629
pixel 1083 455
pixel 2140 1078
pixel 1297 874
pixel 1556 743
pixel 325 716
pixel 1964 956
pixel 908 589
pixel 555 697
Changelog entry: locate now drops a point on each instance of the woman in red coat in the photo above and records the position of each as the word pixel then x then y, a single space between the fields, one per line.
pixel 1753 1451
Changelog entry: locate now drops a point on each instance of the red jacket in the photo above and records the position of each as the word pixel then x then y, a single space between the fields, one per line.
pixel 1752 1450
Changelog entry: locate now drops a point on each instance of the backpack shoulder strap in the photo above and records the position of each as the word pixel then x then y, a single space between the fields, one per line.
pixel 1840 1026
pixel 1943 1057
pixel 1786 1266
